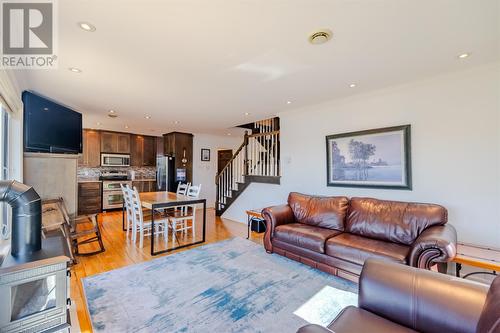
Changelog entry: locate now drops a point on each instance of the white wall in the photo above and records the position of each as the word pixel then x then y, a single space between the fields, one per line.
pixel 455 148
pixel 204 172
pixel 12 96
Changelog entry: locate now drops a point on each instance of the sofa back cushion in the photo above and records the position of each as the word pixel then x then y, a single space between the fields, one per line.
pixel 324 212
pixel 393 221
pixel 489 322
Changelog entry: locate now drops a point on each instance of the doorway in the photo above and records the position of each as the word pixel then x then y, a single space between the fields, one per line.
pixel 223 157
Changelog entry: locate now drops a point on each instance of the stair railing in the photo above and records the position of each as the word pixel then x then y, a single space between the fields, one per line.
pixel 258 155
pixel 233 173
pixel 263 154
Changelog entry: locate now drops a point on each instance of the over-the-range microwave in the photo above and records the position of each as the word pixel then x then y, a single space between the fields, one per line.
pixel 115 160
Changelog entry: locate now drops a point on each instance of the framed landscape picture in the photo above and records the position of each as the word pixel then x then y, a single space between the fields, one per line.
pixel 378 158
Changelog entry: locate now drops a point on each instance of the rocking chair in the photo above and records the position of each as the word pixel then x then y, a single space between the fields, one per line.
pixel 55 217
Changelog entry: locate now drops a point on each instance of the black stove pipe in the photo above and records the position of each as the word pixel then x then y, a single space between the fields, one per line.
pixel 26 236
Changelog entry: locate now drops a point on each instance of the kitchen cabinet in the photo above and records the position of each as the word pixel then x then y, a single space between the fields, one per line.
pixel 180 145
pixel 142 150
pixel 169 143
pixel 91 152
pixel 114 142
pixel 160 149
pixel 89 198
pixel 149 157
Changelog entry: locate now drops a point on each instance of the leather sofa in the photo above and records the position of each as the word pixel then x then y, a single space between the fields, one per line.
pixel 337 234
pixel 398 299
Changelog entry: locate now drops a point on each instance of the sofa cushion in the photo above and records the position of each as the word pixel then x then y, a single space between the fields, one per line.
pixel 489 322
pixel 303 235
pixel 356 320
pixel 325 212
pixel 357 249
pixel 393 221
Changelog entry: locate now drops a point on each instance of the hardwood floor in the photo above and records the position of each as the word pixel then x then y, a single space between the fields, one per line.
pixel 120 252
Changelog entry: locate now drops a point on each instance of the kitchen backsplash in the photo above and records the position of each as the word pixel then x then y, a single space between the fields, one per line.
pixel 140 172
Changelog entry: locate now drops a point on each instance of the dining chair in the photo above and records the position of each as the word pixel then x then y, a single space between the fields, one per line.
pixel 128 206
pixel 139 224
pixel 182 188
pixel 179 219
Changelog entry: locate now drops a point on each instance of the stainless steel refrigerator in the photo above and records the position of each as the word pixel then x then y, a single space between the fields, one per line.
pixel 165 172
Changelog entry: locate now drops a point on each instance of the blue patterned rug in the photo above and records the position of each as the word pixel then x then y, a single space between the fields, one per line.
pixel 230 286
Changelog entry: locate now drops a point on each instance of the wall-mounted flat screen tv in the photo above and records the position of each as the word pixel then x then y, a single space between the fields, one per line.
pixel 50 127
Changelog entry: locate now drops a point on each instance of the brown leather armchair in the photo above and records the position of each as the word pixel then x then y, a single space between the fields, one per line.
pixel 397 299
pixel 337 234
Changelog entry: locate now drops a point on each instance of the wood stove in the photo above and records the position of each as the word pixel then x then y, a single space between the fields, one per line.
pixel 34 290
pixel 34 275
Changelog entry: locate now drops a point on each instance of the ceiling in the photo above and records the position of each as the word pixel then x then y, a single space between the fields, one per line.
pixel 204 64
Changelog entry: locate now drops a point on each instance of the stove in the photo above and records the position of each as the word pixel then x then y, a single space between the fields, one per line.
pixel 112 196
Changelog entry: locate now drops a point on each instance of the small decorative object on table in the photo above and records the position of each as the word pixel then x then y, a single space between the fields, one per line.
pixel 378 158
pixel 255 221
pixel 205 155
pixel 477 256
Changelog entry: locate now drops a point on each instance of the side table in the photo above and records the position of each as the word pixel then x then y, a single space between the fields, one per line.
pixel 477 256
pixel 253 214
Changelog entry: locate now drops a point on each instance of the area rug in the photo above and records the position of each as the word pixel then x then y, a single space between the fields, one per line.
pixel 230 286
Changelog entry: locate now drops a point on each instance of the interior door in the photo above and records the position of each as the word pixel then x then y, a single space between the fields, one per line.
pixel 223 156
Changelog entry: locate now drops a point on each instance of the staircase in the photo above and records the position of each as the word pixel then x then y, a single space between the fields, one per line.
pixel 255 161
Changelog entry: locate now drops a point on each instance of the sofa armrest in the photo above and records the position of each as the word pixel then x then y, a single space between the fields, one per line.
pixel 422 300
pixel 312 328
pixel 434 245
pixel 275 216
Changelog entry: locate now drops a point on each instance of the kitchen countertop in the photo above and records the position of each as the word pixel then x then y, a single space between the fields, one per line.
pixel 89 180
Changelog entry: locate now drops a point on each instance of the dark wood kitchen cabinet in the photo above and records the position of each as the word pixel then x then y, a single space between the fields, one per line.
pixel 142 150
pixel 91 152
pixel 160 149
pixel 115 142
pixel 89 198
pixel 149 158
pixel 180 145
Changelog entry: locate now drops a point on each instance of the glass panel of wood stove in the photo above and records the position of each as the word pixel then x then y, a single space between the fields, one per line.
pixel 33 297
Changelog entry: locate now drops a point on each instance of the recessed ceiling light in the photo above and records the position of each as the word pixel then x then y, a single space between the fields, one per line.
pixel 352 85
pixel 112 114
pixel 176 122
pixel 75 70
pixel 126 126
pixel 288 102
pixel 98 124
pixel 320 36
pixel 463 55
pixel 147 117
pixel 86 26
pixel 247 114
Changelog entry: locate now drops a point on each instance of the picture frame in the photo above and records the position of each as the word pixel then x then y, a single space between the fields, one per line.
pixel 205 155
pixel 376 158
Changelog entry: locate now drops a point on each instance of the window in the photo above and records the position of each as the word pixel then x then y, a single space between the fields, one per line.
pixel 4 168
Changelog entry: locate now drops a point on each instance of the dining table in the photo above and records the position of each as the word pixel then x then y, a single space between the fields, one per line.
pixel 161 200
